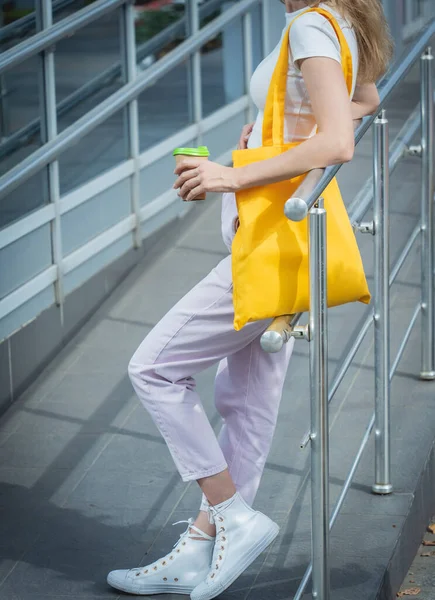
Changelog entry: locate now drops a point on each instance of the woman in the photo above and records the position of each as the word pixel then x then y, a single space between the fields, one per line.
pixel 228 534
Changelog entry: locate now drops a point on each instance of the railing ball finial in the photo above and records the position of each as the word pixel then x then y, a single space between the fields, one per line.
pixel 295 209
pixel 271 341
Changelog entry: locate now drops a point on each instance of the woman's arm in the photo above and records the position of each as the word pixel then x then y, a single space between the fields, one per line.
pixel 365 100
pixel 334 140
pixel 332 144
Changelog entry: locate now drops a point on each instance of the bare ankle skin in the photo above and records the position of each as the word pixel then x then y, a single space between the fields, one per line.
pixel 204 525
pixel 217 489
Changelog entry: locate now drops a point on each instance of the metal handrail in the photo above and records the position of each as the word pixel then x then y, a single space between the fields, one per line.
pixel 297 207
pixel 29 21
pixel 107 77
pixel 384 162
pixel 322 177
pixel 399 147
pixel 71 135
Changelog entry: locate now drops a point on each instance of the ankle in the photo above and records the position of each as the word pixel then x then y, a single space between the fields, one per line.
pixel 217 488
pixel 202 523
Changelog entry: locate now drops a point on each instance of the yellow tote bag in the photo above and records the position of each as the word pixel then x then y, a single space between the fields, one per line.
pixel 269 252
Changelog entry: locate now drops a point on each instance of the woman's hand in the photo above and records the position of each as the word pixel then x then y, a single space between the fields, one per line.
pixel 365 100
pixel 199 176
pixel 244 136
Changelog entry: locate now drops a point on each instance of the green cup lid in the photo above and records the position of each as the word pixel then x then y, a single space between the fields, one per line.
pixel 200 151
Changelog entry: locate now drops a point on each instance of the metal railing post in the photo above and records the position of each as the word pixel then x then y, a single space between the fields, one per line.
pixel 194 70
pixel 128 62
pixel 427 228
pixel 44 17
pixel 319 404
pixel 248 63
pixel 381 173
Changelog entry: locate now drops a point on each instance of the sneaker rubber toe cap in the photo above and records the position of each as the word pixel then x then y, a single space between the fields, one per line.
pixel 120 580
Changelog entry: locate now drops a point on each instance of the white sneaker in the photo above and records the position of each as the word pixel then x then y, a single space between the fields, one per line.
pixel 241 535
pixel 179 572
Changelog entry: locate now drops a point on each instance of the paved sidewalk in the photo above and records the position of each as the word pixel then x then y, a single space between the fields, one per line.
pixel 420 579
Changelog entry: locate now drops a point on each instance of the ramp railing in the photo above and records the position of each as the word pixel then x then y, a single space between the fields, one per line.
pixel 307 201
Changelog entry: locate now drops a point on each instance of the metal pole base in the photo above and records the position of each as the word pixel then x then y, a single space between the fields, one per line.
pixel 382 488
pixel 427 375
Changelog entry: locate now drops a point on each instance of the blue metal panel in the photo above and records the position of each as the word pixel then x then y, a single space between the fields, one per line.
pixel 163 217
pixel 26 312
pixel 23 259
pixel 225 136
pixel 158 177
pixel 30 195
pixel 95 216
pixel 75 278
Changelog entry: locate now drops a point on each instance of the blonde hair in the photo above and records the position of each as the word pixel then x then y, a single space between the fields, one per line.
pixel 375 45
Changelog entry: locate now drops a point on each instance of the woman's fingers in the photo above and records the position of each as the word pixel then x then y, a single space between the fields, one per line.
pixel 243 142
pixel 246 132
pixel 190 189
pixel 186 164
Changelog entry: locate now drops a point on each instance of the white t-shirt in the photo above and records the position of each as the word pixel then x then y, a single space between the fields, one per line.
pixel 310 35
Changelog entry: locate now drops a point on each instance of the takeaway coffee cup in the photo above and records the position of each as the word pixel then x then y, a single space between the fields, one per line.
pixel 200 153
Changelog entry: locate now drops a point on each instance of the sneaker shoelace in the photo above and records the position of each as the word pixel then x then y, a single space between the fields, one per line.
pixel 190 533
pixel 214 516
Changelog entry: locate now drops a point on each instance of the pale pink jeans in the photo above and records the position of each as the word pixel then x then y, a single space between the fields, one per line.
pixel 195 334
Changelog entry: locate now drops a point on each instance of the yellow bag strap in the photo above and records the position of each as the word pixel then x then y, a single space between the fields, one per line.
pixel 274 111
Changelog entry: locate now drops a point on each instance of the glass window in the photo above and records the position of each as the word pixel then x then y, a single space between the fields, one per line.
pixel 82 62
pixel 17 22
pixel 20 136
